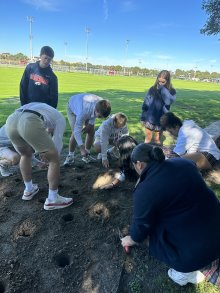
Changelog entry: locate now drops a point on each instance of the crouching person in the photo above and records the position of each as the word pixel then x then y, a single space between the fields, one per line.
pixel 192 142
pixel 124 147
pixel 107 136
pixel 27 129
pixel 8 156
pixel 82 111
pixel 177 212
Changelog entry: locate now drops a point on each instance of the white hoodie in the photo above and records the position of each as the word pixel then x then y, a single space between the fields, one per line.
pixel 191 138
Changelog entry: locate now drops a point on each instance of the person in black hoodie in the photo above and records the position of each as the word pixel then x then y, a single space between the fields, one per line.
pixel 177 212
pixel 39 83
pixel 157 102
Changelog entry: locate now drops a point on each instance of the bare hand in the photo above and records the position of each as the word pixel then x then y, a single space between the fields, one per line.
pixel 107 186
pixel 105 163
pixel 127 241
pixel 83 151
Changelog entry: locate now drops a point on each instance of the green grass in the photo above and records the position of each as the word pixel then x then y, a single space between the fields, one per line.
pixel 195 100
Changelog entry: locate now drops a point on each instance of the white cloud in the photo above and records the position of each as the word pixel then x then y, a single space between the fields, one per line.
pixel 128 5
pixel 105 8
pixel 49 5
pixel 163 57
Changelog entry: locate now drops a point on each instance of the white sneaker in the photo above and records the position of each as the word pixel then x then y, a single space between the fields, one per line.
pixel 28 195
pixel 59 203
pixel 5 171
pixel 88 159
pixel 69 160
pixel 182 279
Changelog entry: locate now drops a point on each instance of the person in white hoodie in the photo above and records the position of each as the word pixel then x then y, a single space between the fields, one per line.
pixel 192 141
pixel 108 133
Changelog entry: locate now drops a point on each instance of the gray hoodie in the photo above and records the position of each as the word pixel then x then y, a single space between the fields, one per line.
pixel 107 131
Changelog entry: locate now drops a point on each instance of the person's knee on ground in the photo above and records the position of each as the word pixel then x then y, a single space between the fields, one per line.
pixel 201 162
pixel 97 147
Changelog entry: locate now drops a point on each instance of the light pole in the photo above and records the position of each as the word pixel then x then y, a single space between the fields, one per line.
pixel 87 30
pixel 195 71
pixel 30 19
pixel 140 61
pixel 65 44
pixel 126 52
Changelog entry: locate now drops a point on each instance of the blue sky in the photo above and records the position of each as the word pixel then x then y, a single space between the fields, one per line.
pixel 146 33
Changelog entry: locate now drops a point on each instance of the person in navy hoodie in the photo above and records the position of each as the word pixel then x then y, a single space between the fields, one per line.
pixel 157 102
pixel 177 212
pixel 39 83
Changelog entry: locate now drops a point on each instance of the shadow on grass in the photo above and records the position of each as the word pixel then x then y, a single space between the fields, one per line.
pixel 200 106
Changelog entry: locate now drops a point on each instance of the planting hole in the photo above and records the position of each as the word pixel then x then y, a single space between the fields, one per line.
pixel 62 260
pixel 2 287
pixel 67 217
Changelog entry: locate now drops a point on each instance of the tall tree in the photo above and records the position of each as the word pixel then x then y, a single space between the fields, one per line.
pixel 212 26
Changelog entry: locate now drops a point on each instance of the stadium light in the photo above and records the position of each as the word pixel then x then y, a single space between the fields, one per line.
pixel 65 44
pixel 30 19
pixel 126 52
pixel 87 30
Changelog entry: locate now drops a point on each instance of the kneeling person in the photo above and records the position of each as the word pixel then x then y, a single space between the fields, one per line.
pixel 8 156
pixel 108 134
pixel 27 129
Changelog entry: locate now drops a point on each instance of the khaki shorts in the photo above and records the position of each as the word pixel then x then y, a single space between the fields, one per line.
pixel 27 129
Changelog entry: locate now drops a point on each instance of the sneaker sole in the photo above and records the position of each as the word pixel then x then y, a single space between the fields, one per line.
pixel 52 207
pixel 31 196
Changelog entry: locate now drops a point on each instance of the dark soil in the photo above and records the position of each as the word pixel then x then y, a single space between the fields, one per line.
pixel 76 249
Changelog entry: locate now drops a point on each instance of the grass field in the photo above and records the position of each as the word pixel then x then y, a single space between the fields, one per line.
pixel 195 100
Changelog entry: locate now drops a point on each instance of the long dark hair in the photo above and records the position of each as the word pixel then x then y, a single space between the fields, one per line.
pixel 166 75
pixel 125 145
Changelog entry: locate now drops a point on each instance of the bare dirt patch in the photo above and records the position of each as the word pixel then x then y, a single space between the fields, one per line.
pixel 76 249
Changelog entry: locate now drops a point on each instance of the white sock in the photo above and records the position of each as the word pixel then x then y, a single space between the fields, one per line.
pixel 52 194
pixel 28 185
pixel 71 153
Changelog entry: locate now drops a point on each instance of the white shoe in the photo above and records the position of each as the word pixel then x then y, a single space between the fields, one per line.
pixel 88 159
pixel 59 203
pixel 182 279
pixel 5 170
pixel 69 160
pixel 28 195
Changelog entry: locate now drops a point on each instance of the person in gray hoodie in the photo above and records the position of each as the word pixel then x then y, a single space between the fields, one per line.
pixel 107 135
